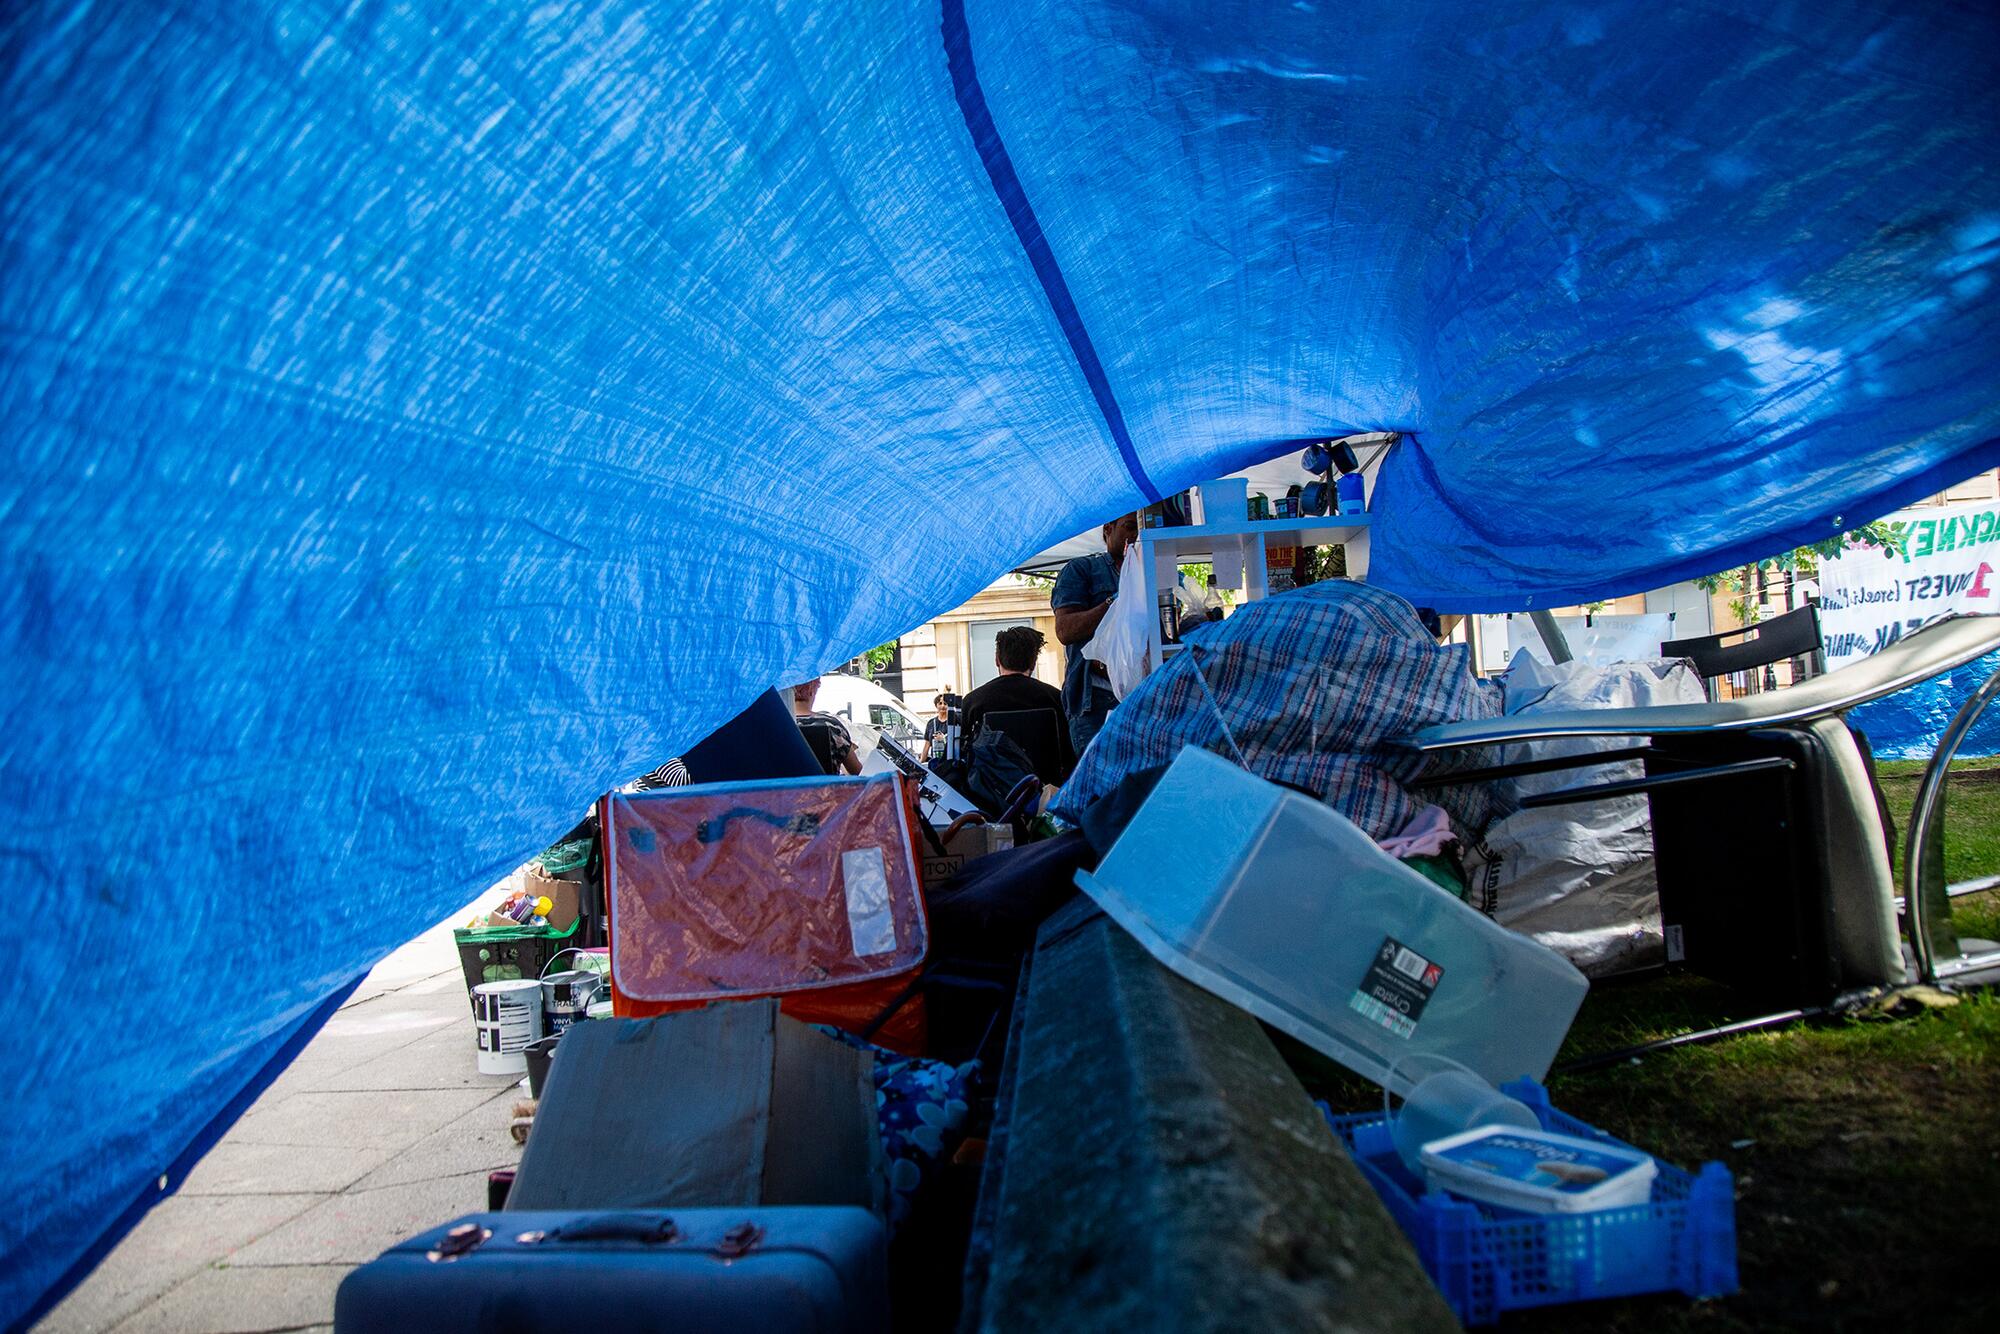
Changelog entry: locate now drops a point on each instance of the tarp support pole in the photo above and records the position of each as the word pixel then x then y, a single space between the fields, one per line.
pixel 1553 638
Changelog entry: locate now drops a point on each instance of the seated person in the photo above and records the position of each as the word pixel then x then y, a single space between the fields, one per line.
pixel 1015 650
pixel 845 754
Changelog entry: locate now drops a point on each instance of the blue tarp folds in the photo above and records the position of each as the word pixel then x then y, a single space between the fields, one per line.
pixel 419 417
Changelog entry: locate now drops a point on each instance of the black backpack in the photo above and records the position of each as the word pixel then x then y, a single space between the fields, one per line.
pixel 990 772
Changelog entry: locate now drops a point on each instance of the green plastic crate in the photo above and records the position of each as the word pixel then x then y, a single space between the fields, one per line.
pixel 500 953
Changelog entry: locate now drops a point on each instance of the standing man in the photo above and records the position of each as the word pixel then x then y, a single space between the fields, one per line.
pixel 1015 650
pixel 1084 591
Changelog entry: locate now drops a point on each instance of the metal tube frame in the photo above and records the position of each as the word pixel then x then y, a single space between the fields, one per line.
pixel 1922 813
pixel 1553 638
pixel 1626 787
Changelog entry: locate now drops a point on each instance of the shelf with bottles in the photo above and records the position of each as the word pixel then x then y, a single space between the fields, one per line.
pixel 1239 550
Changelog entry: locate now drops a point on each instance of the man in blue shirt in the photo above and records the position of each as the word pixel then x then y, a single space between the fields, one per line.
pixel 1083 594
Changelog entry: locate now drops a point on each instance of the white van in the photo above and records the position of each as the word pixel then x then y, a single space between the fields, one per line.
pixel 868 710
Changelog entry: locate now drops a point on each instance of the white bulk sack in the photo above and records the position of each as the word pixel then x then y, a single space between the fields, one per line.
pixel 1579 878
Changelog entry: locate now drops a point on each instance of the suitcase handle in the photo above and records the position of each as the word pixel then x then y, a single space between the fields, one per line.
pixel 649 1228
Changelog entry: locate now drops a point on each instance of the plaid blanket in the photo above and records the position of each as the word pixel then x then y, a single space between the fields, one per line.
pixel 1310 686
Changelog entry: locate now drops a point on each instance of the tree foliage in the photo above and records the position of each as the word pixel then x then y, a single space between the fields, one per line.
pixel 1803 562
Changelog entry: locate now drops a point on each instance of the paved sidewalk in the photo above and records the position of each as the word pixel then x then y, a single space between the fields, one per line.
pixel 381 1127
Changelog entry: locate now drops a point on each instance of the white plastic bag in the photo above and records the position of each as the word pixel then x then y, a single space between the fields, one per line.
pixel 1124 635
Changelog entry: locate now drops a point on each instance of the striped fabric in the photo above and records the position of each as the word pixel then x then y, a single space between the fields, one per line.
pixel 671 774
pixel 1312 685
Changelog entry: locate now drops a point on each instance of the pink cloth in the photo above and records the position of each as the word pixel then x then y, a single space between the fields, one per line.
pixel 1425 836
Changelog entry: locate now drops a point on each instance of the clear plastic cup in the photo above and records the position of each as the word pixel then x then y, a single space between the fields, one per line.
pixel 1444 1099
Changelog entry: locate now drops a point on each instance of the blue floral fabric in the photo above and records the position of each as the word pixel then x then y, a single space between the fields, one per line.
pixel 921 1109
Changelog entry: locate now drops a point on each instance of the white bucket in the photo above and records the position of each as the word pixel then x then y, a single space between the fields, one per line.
pixel 506 1016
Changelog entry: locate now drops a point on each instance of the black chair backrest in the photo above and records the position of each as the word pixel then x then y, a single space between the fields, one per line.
pixel 1035 731
pixel 818 733
pixel 1793 635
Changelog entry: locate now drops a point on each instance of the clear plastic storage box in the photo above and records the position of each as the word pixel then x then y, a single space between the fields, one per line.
pixel 1280 905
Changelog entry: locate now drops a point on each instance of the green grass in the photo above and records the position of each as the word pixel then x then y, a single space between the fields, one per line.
pixel 1866 1151
pixel 1972 815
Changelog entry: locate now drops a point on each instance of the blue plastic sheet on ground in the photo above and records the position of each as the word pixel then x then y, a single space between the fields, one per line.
pixel 420 417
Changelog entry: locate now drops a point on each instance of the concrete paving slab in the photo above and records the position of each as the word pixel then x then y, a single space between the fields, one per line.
pixel 391 1021
pixel 383 1092
pixel 358 1035
pixel 443 1059
pixel 355 1227
pixel 477 1142
pixel 303 1074
pixel 239 1300
pixel 376 1118
pixel 181 1237
pixel 236 1168
pixel 451 983
pixel 419 958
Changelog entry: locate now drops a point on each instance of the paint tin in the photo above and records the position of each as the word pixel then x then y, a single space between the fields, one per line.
pixel 1353 493
pixel 566 997
pixel 506 1017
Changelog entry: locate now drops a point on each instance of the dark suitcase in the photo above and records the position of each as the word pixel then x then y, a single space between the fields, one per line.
pixel 680 1271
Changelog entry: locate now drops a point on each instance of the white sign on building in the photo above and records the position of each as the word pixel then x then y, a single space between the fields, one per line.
pixel 1870 598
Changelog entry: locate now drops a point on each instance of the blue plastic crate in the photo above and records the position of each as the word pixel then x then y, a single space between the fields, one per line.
pixel 1487 1259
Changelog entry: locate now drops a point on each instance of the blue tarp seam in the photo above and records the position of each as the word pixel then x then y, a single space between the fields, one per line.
pixel 1021 214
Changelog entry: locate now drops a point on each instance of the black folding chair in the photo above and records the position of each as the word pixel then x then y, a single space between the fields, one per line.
pixel 819 736
pixel 1804 909
pixel 1793 635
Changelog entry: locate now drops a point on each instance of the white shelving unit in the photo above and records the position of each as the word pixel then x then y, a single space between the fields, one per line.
pixel 1164 550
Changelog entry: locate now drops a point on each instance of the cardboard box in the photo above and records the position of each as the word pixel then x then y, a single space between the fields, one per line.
pixel 732 1105
pixel 967 844
pixel 566 895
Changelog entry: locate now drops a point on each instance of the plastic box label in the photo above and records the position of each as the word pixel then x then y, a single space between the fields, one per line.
pixel 1397 986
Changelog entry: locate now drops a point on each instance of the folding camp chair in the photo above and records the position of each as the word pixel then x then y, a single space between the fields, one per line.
pixel 1802 910
pixel 1795 634
pixel 819 736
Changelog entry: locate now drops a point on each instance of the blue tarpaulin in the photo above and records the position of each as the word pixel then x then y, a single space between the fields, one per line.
pixel 421 416
pixel 1909 724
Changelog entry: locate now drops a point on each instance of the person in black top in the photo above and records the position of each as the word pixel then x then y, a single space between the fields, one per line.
pixel 1082 596
pixel 1014 653
pixel 935 729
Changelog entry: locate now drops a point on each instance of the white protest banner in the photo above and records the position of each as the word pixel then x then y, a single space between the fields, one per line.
pixel 1870 598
